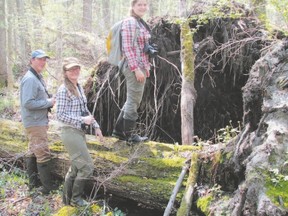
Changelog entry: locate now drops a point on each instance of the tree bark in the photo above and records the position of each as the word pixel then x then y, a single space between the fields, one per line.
pixel 106 12
pixel 59 53
pixel 182 8
pixel 10 6
pixel 188 92
pixel 37 22
pixel 3 45
pixel 87 16
pixel 152 8
pixel 24 48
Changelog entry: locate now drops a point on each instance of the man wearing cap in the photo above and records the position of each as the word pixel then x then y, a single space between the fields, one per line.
pixel 35 104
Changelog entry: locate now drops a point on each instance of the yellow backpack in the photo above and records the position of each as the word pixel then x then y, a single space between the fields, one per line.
pixel 114 44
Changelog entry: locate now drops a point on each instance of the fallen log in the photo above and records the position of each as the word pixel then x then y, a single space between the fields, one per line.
pixel 145 173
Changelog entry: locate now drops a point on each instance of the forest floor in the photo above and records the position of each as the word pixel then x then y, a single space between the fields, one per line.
pixel 16 199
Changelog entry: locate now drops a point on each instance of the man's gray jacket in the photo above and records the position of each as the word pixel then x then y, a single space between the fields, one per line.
pixel 34 101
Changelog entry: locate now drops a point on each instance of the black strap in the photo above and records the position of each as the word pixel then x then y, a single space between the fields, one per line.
pixel 41 80
pixel 145 24
pixel 82 98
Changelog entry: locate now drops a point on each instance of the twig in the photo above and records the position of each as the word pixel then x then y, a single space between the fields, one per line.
pixel 175 190
pixel 171 64
pixel 243 135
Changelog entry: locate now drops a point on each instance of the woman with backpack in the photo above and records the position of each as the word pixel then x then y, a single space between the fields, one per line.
pixel 135 36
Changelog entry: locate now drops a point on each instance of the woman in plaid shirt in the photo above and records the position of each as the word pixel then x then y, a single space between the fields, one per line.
pixel 135 35
pixel 72 113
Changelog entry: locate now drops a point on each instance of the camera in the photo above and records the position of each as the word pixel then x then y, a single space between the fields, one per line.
pixel 84 126
pixel 50 96
pixel 151 49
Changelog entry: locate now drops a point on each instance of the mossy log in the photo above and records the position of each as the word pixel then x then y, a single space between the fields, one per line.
pixel 145 173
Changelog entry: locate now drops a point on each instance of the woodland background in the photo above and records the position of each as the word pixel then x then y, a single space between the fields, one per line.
pixel 79 28
pixel 62 28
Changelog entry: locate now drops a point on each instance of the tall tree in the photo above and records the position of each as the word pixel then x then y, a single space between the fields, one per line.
pixel 106 12
pixel 188 92
pixel 182 8
pixel 24 48
pixel 3 45
pixel 59 52
pixel 87 15
pixel 10 8
pixel 37 22
pixel 152 5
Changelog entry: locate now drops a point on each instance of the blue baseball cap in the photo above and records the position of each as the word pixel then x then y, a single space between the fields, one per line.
pixel 39 54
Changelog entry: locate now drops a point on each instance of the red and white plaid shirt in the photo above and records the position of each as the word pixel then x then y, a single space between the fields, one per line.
pixel 134 53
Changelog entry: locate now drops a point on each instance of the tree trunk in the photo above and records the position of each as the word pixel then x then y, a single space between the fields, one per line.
pixel 24 48
pixel 182 8
pixel 106 12
pixel 59 54
pixel 87 15
pixel 10 78
pixel 152 8
pixel 188 92
pixel 37 31
pixel 3 45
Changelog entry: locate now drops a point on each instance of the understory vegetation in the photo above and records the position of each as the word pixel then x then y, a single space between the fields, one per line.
pixel 16 199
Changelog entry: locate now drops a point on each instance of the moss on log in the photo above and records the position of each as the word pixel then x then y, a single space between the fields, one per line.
pixel 145 173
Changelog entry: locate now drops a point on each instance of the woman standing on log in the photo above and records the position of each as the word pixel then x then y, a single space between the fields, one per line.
pixel 73 114
pixel 135 69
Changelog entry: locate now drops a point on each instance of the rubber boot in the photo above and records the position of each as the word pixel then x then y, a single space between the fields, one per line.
pixel 118 131
pixel 77 192
pixel 32 172
pixel 67 188
pixel 46 177
pixel 129 126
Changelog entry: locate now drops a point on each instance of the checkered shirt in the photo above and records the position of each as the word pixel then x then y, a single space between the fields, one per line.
pixel 70 107
pixel 134 53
